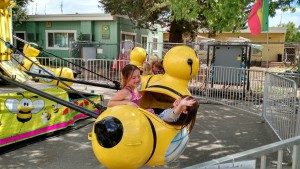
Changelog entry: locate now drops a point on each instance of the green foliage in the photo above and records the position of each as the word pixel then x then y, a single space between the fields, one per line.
pixel 283 5
pixel 184 10
pixel 19 11
pixel 292 32
pixel 226 15
pixel 188 16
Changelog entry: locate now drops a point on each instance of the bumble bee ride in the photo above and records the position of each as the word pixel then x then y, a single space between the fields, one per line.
pixel 137 57
pixel 32 53
pixel 128 137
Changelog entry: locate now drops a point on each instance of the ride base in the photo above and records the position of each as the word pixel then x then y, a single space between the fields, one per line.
pixel 24 115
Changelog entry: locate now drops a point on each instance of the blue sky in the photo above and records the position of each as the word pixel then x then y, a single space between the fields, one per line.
pixel 91 6
pixel 285 17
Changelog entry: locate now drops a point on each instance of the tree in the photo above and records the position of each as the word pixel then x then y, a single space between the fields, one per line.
pixel 20 11
pixel 189 16
pixel 292 32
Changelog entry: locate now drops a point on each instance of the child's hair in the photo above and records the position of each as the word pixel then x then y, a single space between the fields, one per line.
pixel 159 66
pixel 147 69
pixel 188 120
pixel 127 72
pixel 154 58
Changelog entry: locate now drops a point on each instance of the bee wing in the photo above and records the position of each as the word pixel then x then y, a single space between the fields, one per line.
pixel 38 106
pixel 56 105
pixel 12 105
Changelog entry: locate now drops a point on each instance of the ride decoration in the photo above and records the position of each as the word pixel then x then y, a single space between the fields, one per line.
pixel 129 137
pixel 6 65
pixel 137 57
pixel 25 115
pixel 29 109
pixel 61 72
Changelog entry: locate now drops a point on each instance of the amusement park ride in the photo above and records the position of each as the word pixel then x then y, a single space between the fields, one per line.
pixel 36 99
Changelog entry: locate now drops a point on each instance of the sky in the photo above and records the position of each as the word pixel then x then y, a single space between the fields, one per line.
pixel 42 7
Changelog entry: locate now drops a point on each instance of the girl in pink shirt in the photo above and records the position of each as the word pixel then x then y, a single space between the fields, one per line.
pixel 128 95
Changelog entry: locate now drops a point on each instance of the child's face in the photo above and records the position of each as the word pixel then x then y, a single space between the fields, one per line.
pixel 155 69
pixel 135 79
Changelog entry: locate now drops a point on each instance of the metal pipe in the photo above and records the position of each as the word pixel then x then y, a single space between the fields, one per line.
pixel 51 97
pixel 39 66
pixel 75 81
pixel 117 84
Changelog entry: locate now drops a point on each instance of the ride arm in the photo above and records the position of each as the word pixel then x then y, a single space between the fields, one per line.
pixel 51 97
pixel 75 81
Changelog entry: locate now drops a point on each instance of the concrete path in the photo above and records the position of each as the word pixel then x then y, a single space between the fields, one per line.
pixel 219 131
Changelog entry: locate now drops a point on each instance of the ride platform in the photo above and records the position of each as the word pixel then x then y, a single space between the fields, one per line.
pixel 219 131
pixel 24 115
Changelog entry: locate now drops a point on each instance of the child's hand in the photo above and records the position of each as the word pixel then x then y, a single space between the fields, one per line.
pixel 186 102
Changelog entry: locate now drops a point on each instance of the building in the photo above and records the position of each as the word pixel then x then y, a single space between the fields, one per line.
pixel 273 43
pixel 85 35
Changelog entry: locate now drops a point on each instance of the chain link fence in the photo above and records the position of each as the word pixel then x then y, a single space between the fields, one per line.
pixel 262 54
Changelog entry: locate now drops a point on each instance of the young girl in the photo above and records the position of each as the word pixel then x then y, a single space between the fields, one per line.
pixel 157 67
pixel 182 113
pixel 131 79
pixel 147 69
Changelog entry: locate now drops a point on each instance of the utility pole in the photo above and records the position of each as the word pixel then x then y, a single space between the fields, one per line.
pixel 35 8
pixel 280 19
pixel 61 7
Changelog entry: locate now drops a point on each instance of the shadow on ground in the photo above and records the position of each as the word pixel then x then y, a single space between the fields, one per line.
pixel 219 131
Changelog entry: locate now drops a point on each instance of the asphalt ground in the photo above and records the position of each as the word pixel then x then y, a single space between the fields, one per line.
pixel 219 131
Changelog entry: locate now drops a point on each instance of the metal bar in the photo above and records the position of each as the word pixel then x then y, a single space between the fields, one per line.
pixel 263 162
pixel 279 159
pixel 62 59
pixel 295 156
pixel 51 97
pixel 75 81
pixel 252 153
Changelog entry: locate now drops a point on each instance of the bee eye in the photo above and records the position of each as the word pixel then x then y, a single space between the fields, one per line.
pixel 190 62
pixel 108 131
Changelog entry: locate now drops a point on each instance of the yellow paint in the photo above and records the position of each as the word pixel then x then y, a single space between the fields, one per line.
pixel 12 71
pixel 136 144
pixel 32 53
pixel 42 113
pixel 137 57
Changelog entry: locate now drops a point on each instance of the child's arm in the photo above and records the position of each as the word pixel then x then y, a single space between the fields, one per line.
pixel 182 104
pixel 122 97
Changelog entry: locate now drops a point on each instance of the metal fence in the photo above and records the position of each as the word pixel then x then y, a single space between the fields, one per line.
pixel 279 108
pixel 235 87
pixel 260 153
pixel 264 94
pixel 262 53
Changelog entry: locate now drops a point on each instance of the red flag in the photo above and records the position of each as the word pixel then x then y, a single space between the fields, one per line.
pixel 258 17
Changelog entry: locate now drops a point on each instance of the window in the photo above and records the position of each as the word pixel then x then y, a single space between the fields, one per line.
pixel 144 42
pixel 128 41
pixel 59 39
pixel 154 45
pixel 128 37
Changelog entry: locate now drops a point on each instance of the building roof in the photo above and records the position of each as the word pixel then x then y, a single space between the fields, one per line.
pixel 271 30
pixel 74 17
